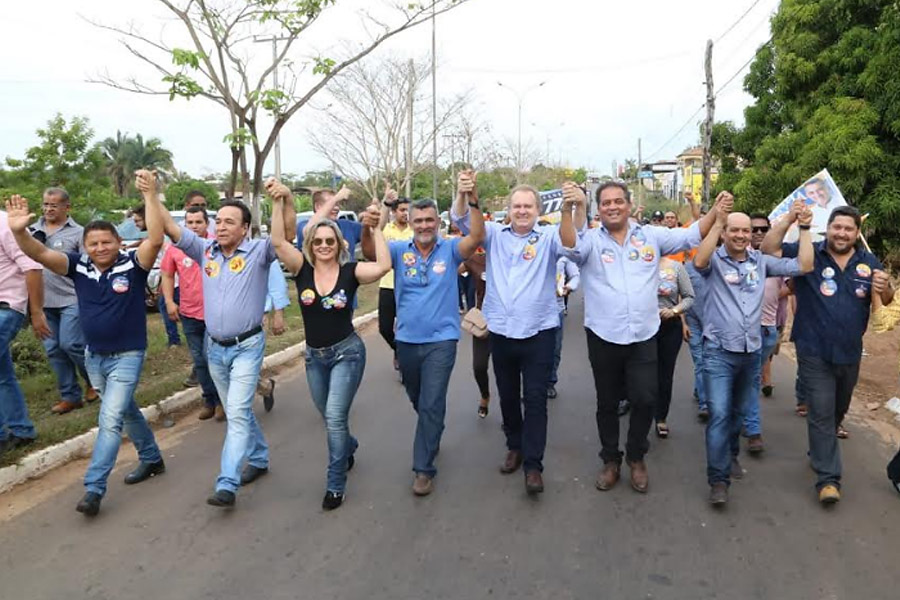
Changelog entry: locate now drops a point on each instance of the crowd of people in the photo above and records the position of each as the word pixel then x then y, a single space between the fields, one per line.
pixel 721 282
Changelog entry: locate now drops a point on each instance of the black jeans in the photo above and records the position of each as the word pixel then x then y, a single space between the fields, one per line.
pixel 481 354
pixel 827 391
pixel 522 369
pixel 387 312
pixel 632 368
pixel 668 344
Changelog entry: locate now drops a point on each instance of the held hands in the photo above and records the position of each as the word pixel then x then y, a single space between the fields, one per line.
pixel 880 281
pixel 805 216
pixel 342 194
pixel 17 213
pixel 371 216
pixel 797 208
pixel 724 206
pixel 145 182
pixel 573 196
pixel 465 183
pixel 277 190
pixel 390 196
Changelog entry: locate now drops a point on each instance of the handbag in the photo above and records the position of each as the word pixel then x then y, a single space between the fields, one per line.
pixel 475 323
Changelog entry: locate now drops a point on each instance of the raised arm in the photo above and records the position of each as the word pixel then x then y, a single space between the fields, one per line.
pixel 725 200
pixel 146 182
pixel 805 252
pixel 771 244
pixel 573 198
pixel 287 253
pixel 711 239
pixel 326 208
pixel 19 218
pixel 469 194
pixel 367 272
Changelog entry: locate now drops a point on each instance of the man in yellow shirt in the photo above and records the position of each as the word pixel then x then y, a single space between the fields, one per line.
pixel 396 228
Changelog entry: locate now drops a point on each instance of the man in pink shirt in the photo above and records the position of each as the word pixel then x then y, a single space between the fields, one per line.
pixel 189 308
pixel 21 287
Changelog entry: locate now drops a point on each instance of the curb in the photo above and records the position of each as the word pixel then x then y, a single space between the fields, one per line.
pixel 39 463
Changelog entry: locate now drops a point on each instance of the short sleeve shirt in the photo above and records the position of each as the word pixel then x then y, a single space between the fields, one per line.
pixel 327 318
pixel 111 304
pixel 190 276
pixel 392 233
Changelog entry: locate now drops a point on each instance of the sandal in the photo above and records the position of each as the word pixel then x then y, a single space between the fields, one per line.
pixel 482 410
pixel 662 430
pixel 801 410
pixel 842 433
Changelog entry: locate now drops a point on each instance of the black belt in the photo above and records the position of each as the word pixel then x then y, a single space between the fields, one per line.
pixel 234 341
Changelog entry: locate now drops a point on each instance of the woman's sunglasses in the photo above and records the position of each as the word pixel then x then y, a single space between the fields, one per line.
pixel 327 241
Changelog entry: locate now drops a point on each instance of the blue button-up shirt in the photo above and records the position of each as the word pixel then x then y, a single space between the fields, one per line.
pixel 234 287
pixel 734 296
pixel 833 305
pixel 620 281
pixel 520 299
pixel 426 291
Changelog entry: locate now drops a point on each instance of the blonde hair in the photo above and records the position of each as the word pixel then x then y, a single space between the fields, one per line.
pixel 343 253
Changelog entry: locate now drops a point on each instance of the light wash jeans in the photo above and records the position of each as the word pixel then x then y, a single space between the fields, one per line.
pixel 696 346
pixel 752 417
pixel 65 350
pixel 235 371
pixel 115 377
pixel 334 374
pixel 13 411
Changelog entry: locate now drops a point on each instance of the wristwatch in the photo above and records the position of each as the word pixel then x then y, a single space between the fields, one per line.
pixel 474 205
pixel 806 227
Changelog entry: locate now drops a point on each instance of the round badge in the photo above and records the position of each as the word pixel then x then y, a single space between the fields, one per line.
pixel 187 262
pixel 731 276
pixel 211 269
pixel 533 239
pixel 607 256
pixel 410 272
pixel 439 267
pixel 863 270
pixel 828 273
pixel 120 284
pixel 648 254
pixel 479 250
pixel 828 287
pixel 236 264
pixel 637 240
pixel 667 274
pixel 307 297
pixel 752 278
pixel 633 254
pixel 409 259
pixel 860 292
pixel 529 253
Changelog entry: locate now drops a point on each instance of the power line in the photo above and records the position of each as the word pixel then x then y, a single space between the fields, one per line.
pixel 735 24
pixel 744 66
pixel 677 133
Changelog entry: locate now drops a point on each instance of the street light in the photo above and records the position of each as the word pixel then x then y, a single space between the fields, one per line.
pixel 520 96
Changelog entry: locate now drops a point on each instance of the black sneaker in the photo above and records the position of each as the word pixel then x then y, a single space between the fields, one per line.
pixel 89 506
pixel 767 390
pixel 145 471
pixel 269 399
pixel 332 500
pixel 703 415
pixel 350 462
pixel 551 392
pixel 14 441
pixel 222 498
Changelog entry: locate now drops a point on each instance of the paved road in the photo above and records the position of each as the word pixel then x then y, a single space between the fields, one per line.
pixel 479 536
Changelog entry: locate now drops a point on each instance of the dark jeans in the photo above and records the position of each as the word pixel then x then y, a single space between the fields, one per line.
pixel 466 292
pixel 893 468
pixel 628 367
pixel 426 370
pixel 195 334
pixel 522 368
pixel 668 343
pixel 171 326
pixel 387 312
pixel 481 354
pixel 827 391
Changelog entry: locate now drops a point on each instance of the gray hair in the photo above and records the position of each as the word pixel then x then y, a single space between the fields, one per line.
pixel 58 192
pixel 525 188
pixel 422 204
pixel 343 253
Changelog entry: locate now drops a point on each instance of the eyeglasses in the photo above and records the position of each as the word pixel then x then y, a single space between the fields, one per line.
pixel 327 241
pixel 760 229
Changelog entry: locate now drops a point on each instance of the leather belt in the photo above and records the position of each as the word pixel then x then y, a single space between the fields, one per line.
pixel 234 341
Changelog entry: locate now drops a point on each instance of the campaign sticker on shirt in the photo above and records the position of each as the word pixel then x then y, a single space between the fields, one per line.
pixel 863 270
pixel 648 254
pixel 666 288
pixel 751 267
pixel 828 287
pixel 410 273
pixel 236 264
pixel 439 267
pixel 534 238
pixel 529 253
pixel 409 259
pixel 211 269
pixel 307 296
pixel 120 284
pixel 608 256
pixel 861 292
pixel 638 239
pixel 667 274
pixel 479 250
pixel 752 277
pixel 828 273
pixel 336 301
pixel 633 254
pixel 58 244
pixel 187 262
pixel 208 253
pixel 731 276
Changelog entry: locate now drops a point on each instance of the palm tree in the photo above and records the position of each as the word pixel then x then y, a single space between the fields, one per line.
pixel 124 155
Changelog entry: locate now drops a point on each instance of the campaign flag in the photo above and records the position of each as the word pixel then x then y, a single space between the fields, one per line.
pixel 822 194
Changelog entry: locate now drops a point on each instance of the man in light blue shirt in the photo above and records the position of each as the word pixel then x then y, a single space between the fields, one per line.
pixel 619 264
pixel 521 312
pixel 735 275
pixel 428 326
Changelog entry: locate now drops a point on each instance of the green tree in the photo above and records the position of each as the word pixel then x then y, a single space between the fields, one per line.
pixel 123 155
pixel 177 191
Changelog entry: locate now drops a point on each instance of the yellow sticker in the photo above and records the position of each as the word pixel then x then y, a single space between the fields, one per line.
pixel 236 264
pixel 211 269
pixel 307 297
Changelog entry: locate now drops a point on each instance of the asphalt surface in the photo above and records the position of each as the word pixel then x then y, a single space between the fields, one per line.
pixel 479 535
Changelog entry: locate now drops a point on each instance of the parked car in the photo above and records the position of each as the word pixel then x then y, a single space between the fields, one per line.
pixel 344 214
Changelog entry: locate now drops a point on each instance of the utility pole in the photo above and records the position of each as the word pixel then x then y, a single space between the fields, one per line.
pixel 520 96
pixel 640 190
pixel 410 98
pixel 277 147
pixel 434 172
pixel 707 126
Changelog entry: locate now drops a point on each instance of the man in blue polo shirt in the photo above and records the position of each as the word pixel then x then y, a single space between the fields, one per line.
pixel 109 284
pixel 833 305
pixel 425 288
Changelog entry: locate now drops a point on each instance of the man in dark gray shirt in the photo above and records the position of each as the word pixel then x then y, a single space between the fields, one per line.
pixel 65 347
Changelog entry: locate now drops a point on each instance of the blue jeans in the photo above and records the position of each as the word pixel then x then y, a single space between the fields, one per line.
pixel 752 418
pixel 195 334
pixel 115 377
pixel 730 383
pixel 65 350
pixel 169 324
pixel 334 374
pixel 235 371
pixel 426 370
pixel 13 411
pixel 557 349
pixel 696 346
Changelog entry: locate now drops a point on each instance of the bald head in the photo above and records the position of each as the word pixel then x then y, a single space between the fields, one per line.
pixel 736 236
pixel 737 220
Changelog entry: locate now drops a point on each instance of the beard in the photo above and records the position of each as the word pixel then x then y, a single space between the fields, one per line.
pixel 841 251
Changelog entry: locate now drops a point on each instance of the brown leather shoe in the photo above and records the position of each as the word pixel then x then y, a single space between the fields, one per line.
pixel 90 395
pixel 207 412
pixel 422 485
pixel 534 482
pixel 755 444
pixel 512 463
pixel 64 406
pixel 220 413
pixel 639 477
pixel 608 476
